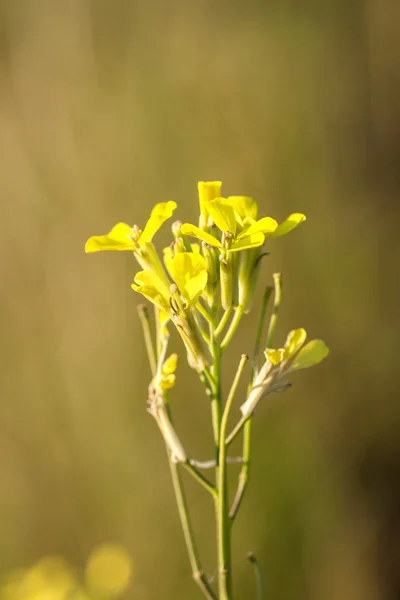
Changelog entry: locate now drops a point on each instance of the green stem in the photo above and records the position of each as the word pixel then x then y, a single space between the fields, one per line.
pixel 195 473
pixel 277 302
pixel 244 471
pixel 257 571
pixel 197 572
pixel 235 431
pixel 246 452
pixel 222 507
pixel 145 321
pixel 224 320
pixel 204 313
pixel 232 327
pixel 264 303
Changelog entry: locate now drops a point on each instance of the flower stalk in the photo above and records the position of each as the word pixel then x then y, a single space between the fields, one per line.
pixel 202 287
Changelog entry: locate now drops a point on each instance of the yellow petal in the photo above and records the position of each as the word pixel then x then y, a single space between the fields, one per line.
pixel 189 271
pixel 275 357
pixel 193 231
pixel 168 256
pixel 119 238
pixel 249 241
pixel 311 354
pixel 294 342
pixel 153 288
pixel 208 190
pixel 170 364
pixel 160 213
pixel 223 215
pixel 291 223
pixel 244 206
pixel 167 381
pixel 264 225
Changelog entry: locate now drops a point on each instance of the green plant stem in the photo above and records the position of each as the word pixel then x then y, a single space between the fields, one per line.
pixel 244 471
pixel 264 303
pixel 235 431
pixel 215 380
pixel 143 312
pixel 222 508
pixel 224 320
pixel 197 572
pixel 204 313
pixel 232 327
pixel 257 571
pixel 195 473
pixel 277 303
pixel 247 426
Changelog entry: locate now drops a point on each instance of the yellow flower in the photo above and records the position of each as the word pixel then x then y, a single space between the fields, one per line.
pixel 228 213
pixel 124 237
pixel 189 273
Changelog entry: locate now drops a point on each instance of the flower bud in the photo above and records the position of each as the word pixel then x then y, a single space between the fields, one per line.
pixel 208 190
pixel 248 272
pixel 210 255
pixel 187 329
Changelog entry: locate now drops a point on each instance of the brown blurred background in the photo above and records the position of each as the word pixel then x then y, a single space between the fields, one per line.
pixel 107 107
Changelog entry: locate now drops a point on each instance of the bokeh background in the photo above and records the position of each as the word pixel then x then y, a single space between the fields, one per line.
pixel 107 107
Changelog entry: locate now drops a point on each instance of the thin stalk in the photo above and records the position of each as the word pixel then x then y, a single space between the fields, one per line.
pixel 222 508
pixel 264 303
pixel 215 377
pixel 195 473
pixel 277 303
pixel 235 431
pixel 244 471
pixel 224 320
pixel 232 327
pixel 197 572
pixel 204 312
pixel 143 312
pixel 257 571
pixel 247 430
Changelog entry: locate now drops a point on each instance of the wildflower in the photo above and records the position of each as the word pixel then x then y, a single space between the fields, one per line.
pixel 281 362
pixel 189 273
pixel 124 237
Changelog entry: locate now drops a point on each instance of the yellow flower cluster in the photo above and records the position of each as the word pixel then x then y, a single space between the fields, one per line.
pixel 219 271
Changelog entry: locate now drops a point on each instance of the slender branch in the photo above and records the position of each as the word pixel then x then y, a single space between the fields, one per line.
pixel 246 452
pixel 257 571
pixel 244 471
pixel 191 468
pixel 264 303
pixel 277 302
pixel 204 312
pixel 224 526
pixel 143 312
pixel 224 320
pixel 235 431
pixel 232 327
pixel 197 572
pixel 224 421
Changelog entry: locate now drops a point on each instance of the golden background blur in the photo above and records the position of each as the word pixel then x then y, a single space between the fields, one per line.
pixel 107 107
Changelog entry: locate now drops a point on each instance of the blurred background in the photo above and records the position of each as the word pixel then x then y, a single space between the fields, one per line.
pixel 107 107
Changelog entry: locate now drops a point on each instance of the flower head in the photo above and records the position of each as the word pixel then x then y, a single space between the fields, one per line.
pixel 189 273
pixel 124 237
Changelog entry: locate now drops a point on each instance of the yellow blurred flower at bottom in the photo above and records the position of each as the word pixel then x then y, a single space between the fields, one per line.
pixel 49 579
pixel 108 570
